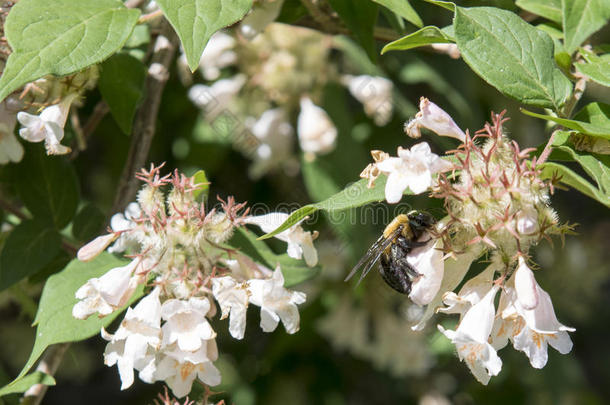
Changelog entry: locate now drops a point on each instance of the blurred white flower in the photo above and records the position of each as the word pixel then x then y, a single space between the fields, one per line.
pixel 218 54
pixel 10 148
pixel 375 93
pixel 48 126
pixel 428 260
pixel 434 118
pixel 276 302
pixel 412 169
pixel 317 133
pixel 262 14
pixel 186 323
pixel 233 299
pixel 300 242
pixel 106 293
pixel 139 331
pixel 276 136
pixel 471 338
pixel 215 99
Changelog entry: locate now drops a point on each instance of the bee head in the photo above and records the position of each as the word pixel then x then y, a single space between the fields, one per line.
pixel 419 221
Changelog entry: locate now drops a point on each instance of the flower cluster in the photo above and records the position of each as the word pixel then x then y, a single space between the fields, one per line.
pixel 264 74
pixel 178 251
pixel 497 205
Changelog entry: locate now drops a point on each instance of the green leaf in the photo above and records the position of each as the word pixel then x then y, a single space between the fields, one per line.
pixel 24 383
pixel 54 320
pixel 47 185
pixel 294 271
pixel 195 21
pixel 599 128
pixel 447 5
pixel 61 37
pixel 549 9
pixel 140 36
pixel 88 223
pixel 574 180
pixel 581 18
pixel 425 36
pixel 596 67
pixel 360 17
pixel 28 248
pixel 403 9
pixel 596 166
pixel 204 189
pixel 355 195
pixel 511 55
pixel 122 83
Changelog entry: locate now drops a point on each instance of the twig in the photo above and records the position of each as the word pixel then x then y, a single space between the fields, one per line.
pixel 144 126
pixel 150 16
pixel 10 207
pixel 48 364
pixel 99 112
pixel 579 89
pixel 78 129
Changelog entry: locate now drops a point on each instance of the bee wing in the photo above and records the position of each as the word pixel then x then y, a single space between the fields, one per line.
pixel 372 255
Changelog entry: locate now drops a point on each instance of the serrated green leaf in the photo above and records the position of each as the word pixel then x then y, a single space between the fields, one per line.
pixel 24 383
pixel 596 67
pixel 195 21
pixel 581 18
pixel 204 189
pixel 28 248
pixel 355 195
pixel 54 320
pixel 404 9
pixel 47 185
pixel 598 129
pixel 294 271
pixel 88 223
pixel 121 83
pixel 549 9
pixel 360 17
pixel 61 37
pixel 511 55
pixel 425 36
pixel 574 180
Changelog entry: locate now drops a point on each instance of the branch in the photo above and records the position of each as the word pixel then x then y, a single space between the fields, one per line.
pixel 48 364
pixel 144 126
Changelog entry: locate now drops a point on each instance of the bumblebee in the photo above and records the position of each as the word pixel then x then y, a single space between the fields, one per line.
pixel 392 248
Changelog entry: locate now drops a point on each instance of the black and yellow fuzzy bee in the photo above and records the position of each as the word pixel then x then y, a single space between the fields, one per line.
pixel 393 246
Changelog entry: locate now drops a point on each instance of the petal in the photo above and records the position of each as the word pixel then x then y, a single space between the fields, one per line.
pixel 428 261
pixel 534 345
pixel 395 186
pixel 420 182
pixel 95 247
pixel 561 342
pixel 209 374
pixel 526 286
pixel 269 320
pixel 478 320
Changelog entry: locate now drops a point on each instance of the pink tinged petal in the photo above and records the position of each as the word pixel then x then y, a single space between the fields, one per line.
pixel 395 186
pixel 437 120
pixel 428 261
pixel 95 247
pixel 526 286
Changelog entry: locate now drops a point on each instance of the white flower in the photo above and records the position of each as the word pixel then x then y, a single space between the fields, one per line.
pixel 432 117
pixel 470 294
pixel 412 169
pixel 215 99
pixel 106 293
pixel 262 14
pixel 375 93
pixel 233 299
pixel 275 133
pixel 122 222
pixel 218 54
pixel 428 260
pixel 95 247
pixel 186 323
pixel 128 347
pixel 526 286
pixel 48 126
pixel 317 133
pixel 300 242
pixel 470 338
pixel 179 368
pixel 276 302
pixel 10 148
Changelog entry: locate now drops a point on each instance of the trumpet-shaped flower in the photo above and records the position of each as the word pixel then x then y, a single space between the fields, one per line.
pixel 471 338
pixel 300 242
pixel 412 169
pixel 233 299
pixel 276 302
pixel 434 118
